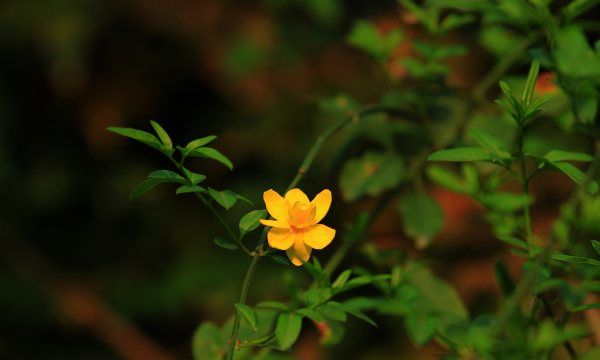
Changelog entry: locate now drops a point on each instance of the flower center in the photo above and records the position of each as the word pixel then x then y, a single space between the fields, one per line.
pixel 301 215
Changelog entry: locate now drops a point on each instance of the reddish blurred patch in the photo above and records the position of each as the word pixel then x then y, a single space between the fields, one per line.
pixel 546 83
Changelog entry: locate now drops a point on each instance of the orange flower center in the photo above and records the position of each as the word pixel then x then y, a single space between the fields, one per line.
pixel 301 215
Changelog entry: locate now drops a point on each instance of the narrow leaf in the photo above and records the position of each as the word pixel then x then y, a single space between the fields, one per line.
pixel 184 189
pixel 311 314
pixel 359 315
pixel 342 279
pixel 168 175
pixel 446 179
pixel 575 259
pixel 145 186
pixel 559 155
pixel 506 202
pixel 530 82
pixel 250 221
pixel 514 241
pixel 288 329
pixel 225 244
pixel 162 135
pixel 139 135
pixel 211 153
pixel 248 315
pixel 272 305
pixel 194 178
pixel 577 176
pixel 596 245
pixel 460 154
pixel 490 143
pixel 194 144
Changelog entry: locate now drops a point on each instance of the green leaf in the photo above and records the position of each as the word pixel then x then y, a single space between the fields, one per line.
pixel 333 310
pixel 371 174
pixel 446 178
pixel 167 175
pixel 184 189
pixel 584 307
pixel 560 155
pixel 208 152
pixel 577 176
pixel 574 56
pixel 311 314
pixel 361 281
pixel 596 245
pixel 490 143
pixel 162 135
pixel 420 328
pixel 422 217
pixel 359 314
pixel 534 70
pixel 225 198
pixel 250 221
pixel 438 295
pixel 272 305
pixel 146 185
pixel 194 178
pixel 514 241
pixel 194 144
pixel 575 259
pixel 454 21
pixel 248 315
pixel 288 329
pixel 317 296
pixel 245 199
pixel 342 279
pixel 225 244
pixel 506 202
pixel 365 36
pixel 139 135
pixel 208 343
pixel 281 260
pixel 460 154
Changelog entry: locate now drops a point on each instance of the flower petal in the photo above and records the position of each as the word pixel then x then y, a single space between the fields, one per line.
pixel 281 239
pixel 322 202
pixel 296 196
pixel 275 223
pixel 299 253
pixel 276 205
pixel 318 236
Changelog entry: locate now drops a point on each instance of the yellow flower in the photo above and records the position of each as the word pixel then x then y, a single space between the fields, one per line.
pixel 296 227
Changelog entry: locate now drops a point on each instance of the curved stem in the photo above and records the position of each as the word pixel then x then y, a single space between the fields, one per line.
pixel 524 188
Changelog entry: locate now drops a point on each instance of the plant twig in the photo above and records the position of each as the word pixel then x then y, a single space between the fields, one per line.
pixel 236 239
pixel 302 170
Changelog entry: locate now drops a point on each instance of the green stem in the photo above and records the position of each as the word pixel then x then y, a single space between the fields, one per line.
pixel 524 188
